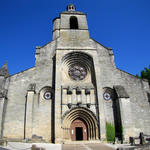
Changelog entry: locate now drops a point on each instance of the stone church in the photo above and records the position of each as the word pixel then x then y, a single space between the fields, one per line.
pixel 73 92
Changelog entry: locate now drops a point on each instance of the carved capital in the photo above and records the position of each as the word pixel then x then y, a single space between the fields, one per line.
pixel 32 87
pixel 69 90
pixel 78 90
pixel 87 91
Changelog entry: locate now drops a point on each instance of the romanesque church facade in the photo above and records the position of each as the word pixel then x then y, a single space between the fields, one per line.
pixel 73 92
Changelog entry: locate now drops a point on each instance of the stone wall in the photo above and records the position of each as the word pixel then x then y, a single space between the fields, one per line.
pixel 25 114
pixel 40 111
pixel 136 88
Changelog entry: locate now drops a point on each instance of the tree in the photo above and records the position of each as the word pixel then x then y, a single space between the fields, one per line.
pixel 145 74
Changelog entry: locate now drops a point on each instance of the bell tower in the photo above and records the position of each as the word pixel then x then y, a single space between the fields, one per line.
pixel 75 80
pixel 70 21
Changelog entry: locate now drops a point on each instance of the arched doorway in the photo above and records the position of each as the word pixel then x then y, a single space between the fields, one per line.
pixel 78 130
pixel 77 121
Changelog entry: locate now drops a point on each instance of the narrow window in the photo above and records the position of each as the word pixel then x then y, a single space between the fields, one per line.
pixel 73 23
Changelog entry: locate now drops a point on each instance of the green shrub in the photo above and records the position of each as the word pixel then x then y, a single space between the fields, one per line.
pixel 110 132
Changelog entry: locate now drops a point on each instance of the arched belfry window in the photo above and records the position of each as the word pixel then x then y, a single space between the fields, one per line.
pixel 73 22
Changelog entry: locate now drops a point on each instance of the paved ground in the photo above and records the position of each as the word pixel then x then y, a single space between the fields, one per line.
pixel 91 146
pixel 27 146
pixel 78 146
pixel 2 148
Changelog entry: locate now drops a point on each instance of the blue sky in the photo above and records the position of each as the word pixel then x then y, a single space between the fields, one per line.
pixel 123 25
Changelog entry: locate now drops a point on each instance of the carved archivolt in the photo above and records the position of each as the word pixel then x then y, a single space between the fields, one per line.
pixel 83 114
pixel 77 65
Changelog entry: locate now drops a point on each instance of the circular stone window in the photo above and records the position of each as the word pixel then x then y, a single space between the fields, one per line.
pixel 46 93
pixel 77 72
pixel 107 96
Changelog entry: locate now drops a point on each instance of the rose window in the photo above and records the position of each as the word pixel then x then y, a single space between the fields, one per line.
pixel 77 72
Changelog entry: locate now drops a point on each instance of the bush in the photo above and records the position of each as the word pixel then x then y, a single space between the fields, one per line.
pixel 110 132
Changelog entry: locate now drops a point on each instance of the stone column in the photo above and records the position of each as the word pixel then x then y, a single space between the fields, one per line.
pixel 1 114
pixel 78 95
pixel 69 97
pixel 74 99
pixel 125 111
pixel 64 100
pixel 88 98
pixel 58 128
pixel 3 104
pixel 92 95
pixel 126 117
pixel 83 96
pixel 99 98
pixel 29 114
pixel 79 98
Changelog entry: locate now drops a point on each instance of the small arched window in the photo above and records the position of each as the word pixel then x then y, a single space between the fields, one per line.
pixel 73 22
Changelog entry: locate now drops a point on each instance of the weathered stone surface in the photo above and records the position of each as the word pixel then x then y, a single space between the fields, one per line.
pixel 27 113
pixel 121 92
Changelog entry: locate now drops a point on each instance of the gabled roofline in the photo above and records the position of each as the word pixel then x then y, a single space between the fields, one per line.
pixel 38 47
pixel 145 80
pixel 109 48
pixel 21 72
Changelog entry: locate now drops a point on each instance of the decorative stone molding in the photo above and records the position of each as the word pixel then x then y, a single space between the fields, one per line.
pixel 69 90
pixel 87 91
pixel 88 105
pixel 32 87
pixel 69 105
pixel 84 114
pixel 78 90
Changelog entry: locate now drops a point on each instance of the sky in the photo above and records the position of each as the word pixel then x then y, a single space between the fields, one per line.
pixel 123 25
